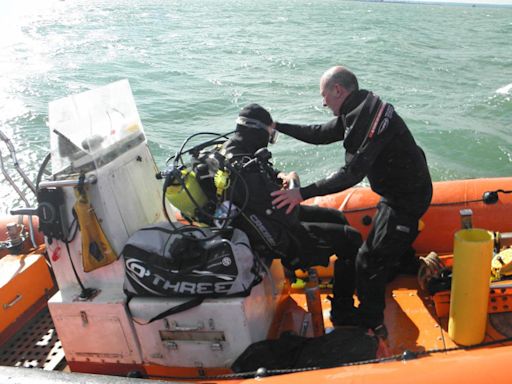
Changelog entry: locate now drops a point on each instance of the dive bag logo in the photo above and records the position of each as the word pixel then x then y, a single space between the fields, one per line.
pixel 176 283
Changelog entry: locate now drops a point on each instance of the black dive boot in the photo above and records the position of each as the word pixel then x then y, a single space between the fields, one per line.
pixel 343 312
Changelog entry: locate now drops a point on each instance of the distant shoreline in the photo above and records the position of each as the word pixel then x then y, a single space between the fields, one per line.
pixel 473 3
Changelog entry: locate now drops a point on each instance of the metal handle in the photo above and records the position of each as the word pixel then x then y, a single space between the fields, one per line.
pixel 186 328
pixel 497 285
pixel 91 179
pixel 12 303
pixel 465 218
pixel 24 211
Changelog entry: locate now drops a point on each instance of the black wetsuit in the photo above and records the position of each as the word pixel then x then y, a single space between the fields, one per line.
pixel 307 237
pixel 378 145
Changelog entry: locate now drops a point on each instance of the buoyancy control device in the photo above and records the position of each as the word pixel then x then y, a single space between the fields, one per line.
pixel 220 186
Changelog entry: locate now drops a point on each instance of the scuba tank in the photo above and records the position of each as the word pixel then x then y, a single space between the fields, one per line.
pixel 185 193
pixel 197 187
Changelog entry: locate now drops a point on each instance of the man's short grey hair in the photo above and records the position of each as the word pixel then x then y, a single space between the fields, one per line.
pixel 342 76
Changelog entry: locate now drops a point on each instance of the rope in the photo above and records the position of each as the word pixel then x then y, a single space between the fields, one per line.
pixel 347 198
pixel 431 205
pixel 404 356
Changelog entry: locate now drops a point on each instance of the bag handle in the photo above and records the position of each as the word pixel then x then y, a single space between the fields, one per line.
pixel 173 310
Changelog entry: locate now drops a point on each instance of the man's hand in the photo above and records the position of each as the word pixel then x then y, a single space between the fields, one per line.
pixel 290 180
pixel 430 266
pixel 290 197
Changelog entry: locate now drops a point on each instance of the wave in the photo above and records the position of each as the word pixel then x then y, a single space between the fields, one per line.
pixel 505 90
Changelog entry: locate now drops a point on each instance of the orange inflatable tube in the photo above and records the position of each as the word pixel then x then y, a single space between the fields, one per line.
pixel 6 221
pixel 468 367
pixel 442 219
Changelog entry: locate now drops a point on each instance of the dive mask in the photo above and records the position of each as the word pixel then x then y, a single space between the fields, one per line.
pixel 272 139
pixel 253 123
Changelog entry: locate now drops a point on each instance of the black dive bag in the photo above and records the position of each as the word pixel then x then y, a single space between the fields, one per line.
pixel 164 262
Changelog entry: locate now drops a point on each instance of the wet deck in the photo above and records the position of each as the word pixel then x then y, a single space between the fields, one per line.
pixel 36 345
pixel 412 322
pixel 410 317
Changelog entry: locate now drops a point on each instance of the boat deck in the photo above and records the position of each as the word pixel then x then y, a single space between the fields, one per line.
pixel 412 322
pixel 36 345
pixel 410 317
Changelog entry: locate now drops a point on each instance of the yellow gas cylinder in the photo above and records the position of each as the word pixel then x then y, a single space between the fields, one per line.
pixel 472 255
pixel 181 197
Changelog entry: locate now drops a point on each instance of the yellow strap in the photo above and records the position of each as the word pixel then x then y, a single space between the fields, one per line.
pixel 96 249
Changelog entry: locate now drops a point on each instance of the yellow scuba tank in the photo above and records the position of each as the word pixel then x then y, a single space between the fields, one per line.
pixel 96 249
pixel 187 199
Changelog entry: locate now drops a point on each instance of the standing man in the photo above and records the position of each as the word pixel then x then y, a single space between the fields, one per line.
pixel 378 145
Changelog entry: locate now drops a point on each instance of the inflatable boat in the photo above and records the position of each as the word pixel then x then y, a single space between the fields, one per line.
pixel 102 189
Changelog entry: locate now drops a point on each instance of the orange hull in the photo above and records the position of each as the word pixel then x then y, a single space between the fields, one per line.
pixel 410 316
pixel 442 219
pixel 27 245
pixel 25 281
pixel 468 367
pixel 25 286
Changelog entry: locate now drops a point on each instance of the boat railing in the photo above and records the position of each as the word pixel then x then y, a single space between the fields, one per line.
pixel 13 184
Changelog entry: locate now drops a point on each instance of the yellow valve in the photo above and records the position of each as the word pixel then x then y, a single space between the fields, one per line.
pixel 299 284
pixel 221 181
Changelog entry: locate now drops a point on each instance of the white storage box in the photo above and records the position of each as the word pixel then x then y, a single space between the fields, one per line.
pixel 212 334
pixel 96 331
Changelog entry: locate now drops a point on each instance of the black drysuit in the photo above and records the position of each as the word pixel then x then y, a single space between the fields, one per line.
pixel 378 145
pixel 307 237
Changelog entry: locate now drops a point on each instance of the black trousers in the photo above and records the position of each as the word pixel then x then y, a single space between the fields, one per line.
pixel 332 234
pixel 392 235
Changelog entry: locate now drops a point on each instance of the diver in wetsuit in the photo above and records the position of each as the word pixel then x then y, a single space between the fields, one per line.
pixel 378 145
pixel 307 237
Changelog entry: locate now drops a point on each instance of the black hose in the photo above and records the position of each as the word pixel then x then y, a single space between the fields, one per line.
pixel 42 169
pixel 176 175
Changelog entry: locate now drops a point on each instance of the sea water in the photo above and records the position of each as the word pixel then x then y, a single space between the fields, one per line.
pixel 193 65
